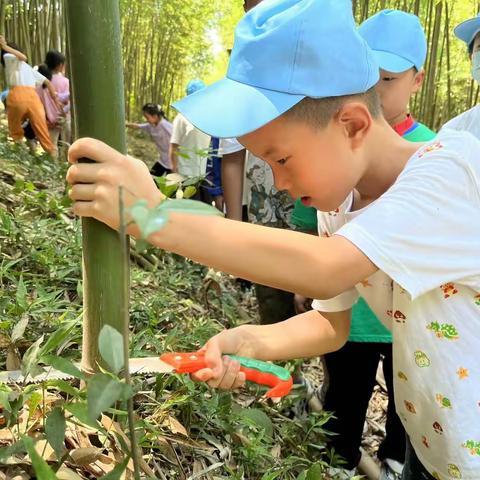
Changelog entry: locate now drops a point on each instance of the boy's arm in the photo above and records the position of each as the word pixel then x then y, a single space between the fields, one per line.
pixel 312 266
pixel 307 335
pixel 233 165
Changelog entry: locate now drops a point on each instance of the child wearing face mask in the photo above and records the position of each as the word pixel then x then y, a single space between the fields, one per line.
pixel 469 32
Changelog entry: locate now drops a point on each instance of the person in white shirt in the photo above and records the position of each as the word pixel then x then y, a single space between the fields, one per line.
pixel 23 101
pixel 188 145
pixel 469 32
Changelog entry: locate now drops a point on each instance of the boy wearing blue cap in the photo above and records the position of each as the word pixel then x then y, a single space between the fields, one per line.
pixel 469 32
pixel 318 123
pixel 398 43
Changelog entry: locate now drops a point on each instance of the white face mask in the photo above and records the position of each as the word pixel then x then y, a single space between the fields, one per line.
pixel 476 66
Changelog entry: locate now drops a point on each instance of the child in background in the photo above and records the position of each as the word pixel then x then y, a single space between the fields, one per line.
pixel 399 44
pixel 264 206
pixel 23 101
pixel 160 130
pixel 53 113
pixel 405 219
pixel 469 32
pixel 55 61
pixel 188 145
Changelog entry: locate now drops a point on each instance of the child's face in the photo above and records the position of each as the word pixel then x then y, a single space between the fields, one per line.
pixel 151 119
pixel 320 166
pixel 395 90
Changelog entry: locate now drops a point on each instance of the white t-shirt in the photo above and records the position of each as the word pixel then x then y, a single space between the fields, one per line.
pixel 193 147
pixel 21 74
pixel 424 234
pixel 468 121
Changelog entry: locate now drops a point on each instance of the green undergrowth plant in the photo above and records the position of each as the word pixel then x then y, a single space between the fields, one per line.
pixel 64 429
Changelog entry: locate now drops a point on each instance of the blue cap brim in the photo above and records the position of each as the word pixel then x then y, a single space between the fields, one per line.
pixel 231 109
pixel 392 63
pixel 467 30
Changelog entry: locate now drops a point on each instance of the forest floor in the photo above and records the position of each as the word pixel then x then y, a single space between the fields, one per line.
pixel 185 430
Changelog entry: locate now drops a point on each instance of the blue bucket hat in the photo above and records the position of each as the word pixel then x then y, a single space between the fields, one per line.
pixel 468 30
pixel 195 85
pixel 284 51
pixel 397 40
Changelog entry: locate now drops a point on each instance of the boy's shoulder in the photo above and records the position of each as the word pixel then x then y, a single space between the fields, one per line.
pixel 457 145
pixel 450 142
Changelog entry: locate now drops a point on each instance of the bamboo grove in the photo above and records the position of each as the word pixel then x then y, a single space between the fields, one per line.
pixel 167 42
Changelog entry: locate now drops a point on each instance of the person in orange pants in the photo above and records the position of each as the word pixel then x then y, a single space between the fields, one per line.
pixel 23 101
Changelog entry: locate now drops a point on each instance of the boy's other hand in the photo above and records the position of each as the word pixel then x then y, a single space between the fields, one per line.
pixel 95 186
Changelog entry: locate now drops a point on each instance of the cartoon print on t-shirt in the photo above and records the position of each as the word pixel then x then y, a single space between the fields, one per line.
pixel 437 428
pixel 402 376
pixel 476 299
pixel 421 359
pixel 443 401
pixel 260 205
pixel 266 205
pixel 410 406
pixel 473 447
pixel 462 373
pixel 443 330
pixel 433 147
pixel 449 290
pixel 454 471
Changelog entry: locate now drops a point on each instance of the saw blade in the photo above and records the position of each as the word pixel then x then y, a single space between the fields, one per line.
pixel 145 365
pixel 138 366
pixel 16 376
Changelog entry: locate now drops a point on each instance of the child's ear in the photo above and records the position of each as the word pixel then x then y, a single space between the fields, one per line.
pixel 418 81
pixel 356 120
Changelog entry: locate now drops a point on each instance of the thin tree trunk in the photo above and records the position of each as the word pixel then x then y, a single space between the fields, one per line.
pixel 97 84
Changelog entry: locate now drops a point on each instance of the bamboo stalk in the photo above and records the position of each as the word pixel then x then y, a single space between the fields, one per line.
pixel 97 84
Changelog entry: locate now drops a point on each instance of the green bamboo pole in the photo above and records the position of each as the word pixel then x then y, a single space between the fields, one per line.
pixel 93 31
